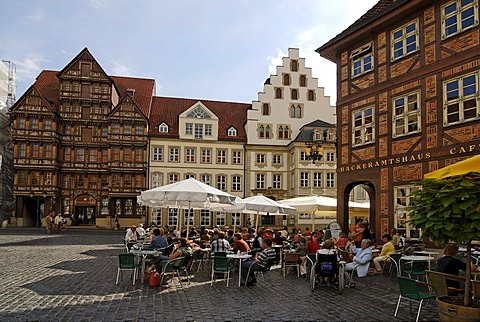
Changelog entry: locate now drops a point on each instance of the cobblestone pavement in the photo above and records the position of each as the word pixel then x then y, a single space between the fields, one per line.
pixel 71 277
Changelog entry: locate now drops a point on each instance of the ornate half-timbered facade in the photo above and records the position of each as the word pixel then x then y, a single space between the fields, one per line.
pixel 408 100
pixel 80 145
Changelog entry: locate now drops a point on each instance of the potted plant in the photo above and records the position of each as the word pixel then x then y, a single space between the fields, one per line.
pixel 449 210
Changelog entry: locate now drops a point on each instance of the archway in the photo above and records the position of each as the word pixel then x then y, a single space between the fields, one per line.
pixel 350 215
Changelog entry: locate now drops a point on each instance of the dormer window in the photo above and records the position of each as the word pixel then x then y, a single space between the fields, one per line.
pixel 362 60
pixel 163 128
pixel 199 113
pixel 232 131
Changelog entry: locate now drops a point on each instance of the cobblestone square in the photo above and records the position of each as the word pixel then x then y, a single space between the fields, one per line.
pixel 71 277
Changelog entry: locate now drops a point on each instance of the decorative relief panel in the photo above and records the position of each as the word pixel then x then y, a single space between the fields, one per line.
pixel 382 102
pixel 365 153
pixel 344 58
pixel 345 112
pixel 344 72
pixel 344 88
pixel 466 133
pixel 382 147
pixel 382 73
pixel 429 15
pixel 406 87
pixel 384 179
pixel 382 56
pixel 384 203
pixel 431 111
pixel 463 42
pixel 430 54
pixel 345 135
pixel 364 81
pixel 461 68
pixel 381 39
pixel 431 137
pixel 432 166
pixel 429 34
pixel 366 101
pixel 383 124
pixel 431 86
pixel 345 151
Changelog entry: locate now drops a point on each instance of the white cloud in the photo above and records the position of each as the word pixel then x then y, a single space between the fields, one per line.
pixel 36 17
pixel 97 4
pixel 30 67
pixel 276 61
pixel 120 69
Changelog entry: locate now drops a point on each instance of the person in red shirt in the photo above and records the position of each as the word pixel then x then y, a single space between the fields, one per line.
pixel 358 231
pixel 239 244
pixel 342 241
pixel 312 245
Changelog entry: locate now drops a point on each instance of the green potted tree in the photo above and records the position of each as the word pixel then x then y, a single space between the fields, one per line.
pixel 449 210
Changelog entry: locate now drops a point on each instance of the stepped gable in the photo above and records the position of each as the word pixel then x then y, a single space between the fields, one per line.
pixel 144 91
pixel 168 109
pixel 381 8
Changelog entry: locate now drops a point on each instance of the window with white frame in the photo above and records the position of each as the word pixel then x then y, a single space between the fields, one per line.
pixel 235 219
pixel 206 179
pixel 172 216
pixel 204 217
pixel 221 156
pixel 406 114
pixel 163 128
pixel 198 131
pixel 174 155
pixel 236 183
pixel 198 112
pixel 172 178
pixel 190 155
pixel 206 156
pixel 260 181
pixel 362 60
pixel 277 159
pixel 330 179
pixel 405 40
pixel 220 219
pixel 222 182
pixel 157 153
pixel 317 179
pixel 363 126
pixel 458 16
pixel 237 157
pixel 189 175
pixel 461 99
pixel 208 129
pixel 303 179
pixel 330 156
pixel 232 131
pixel 402 202
pixel 277 181
pixel 156 180
pixel 188 128
pixel 260 158
pixel 188 217
pixel 157 216
pixel 303 156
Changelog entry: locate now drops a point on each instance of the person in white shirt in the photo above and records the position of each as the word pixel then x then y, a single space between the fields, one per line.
pixel 131 235
pixel 140 230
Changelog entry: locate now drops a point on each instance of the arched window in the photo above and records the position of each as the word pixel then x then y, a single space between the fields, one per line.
pixel 280 132
pixel 286 79
pixel 278 93
pixel 303 80
pixel 286 132
pixel 265 109
pixel 261 131
pixel 294 66
pixel 299 112
pixel 294 94
pixel 311 95
pixel 292 111
pixel 267 132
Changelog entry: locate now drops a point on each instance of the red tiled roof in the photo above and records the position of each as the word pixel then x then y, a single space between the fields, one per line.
pixel 48 85
pixel 168 110
pixel 378 10
pixel 144 90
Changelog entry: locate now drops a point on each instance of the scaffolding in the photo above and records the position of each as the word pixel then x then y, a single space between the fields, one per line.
pixel 8 71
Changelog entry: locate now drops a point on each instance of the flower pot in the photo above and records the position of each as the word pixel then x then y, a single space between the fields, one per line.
pixel 452 312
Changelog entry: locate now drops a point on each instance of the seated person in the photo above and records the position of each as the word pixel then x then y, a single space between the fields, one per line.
pixel 387 249
pixel 312 245
pixel 449 264
pixel 140 230
pixel 220 244
pixel 260 261
pixel 362 257
pixel 158 241
pixel 182 250
pixel 239 244
pixel 342 241
pixel 279 239
pixel 327 268
pixel 131 235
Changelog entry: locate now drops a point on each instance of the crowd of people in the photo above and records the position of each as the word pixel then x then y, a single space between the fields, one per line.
pixel 354 248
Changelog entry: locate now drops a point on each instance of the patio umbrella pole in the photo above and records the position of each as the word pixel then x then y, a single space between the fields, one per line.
pixel 188 218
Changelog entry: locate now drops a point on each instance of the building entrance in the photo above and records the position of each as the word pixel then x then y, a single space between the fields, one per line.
pixel 85 210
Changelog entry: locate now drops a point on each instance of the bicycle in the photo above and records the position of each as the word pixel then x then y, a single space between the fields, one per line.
pixel 63 225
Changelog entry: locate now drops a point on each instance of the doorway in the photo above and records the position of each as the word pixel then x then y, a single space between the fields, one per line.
pixel 85 215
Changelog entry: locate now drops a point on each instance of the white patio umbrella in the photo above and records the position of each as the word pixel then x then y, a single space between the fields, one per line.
pixel 318 203
pixel 185 194
pixel 262 205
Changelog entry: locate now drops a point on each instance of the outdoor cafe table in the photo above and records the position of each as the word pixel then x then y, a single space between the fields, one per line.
pixel 278 248
pixel 425 252
pixel 416 258
pixel 239 257
pixel 143 253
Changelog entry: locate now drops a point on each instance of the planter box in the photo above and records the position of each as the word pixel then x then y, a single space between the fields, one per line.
pixel 454 313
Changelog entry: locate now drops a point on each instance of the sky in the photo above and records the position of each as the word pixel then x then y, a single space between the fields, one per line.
pixel 210 49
